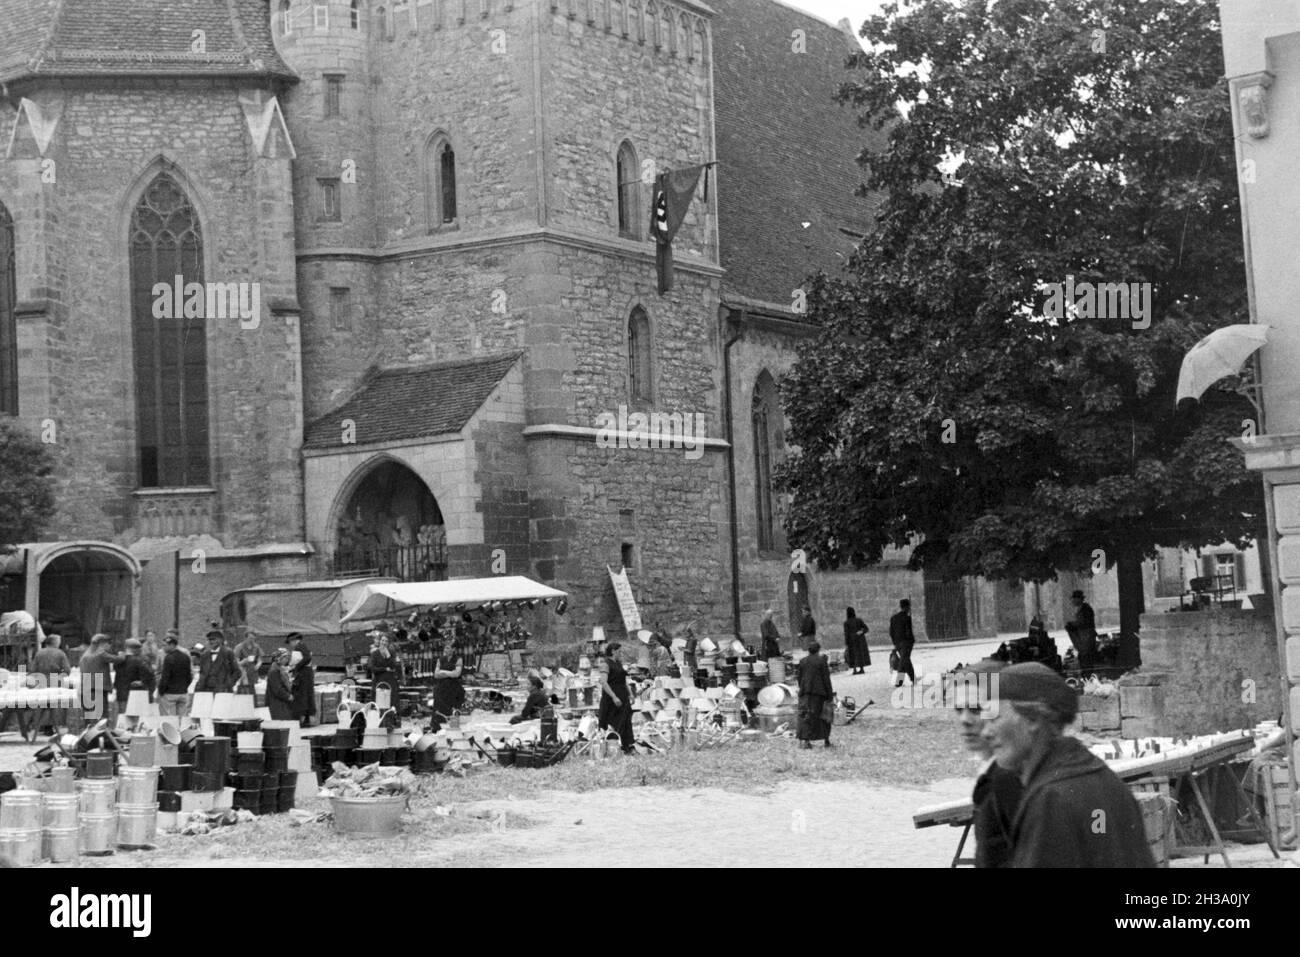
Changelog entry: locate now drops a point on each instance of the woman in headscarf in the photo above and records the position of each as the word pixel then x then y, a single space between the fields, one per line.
pixel 279 687
pixel 615 700
pixel 855 642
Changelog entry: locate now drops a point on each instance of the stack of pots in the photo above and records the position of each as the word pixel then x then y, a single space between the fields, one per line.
pixel 20 827
pixel 212 760
pixel 172 780
pixel 137 807
pixel 60 838
pixel 97 815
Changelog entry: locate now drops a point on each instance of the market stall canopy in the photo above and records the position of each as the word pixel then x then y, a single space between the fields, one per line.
pixel 1219 355
pixel 384 601
pixel 312 608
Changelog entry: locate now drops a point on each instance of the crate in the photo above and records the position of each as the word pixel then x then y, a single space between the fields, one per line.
pixel 1279 809
pixel 1157 805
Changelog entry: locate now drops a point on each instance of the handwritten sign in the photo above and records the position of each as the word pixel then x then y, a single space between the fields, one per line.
pixel 626 601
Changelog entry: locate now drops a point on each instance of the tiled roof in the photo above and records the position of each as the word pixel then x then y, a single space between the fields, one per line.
pixel 410 402
pixel 134 37
pixel 784 139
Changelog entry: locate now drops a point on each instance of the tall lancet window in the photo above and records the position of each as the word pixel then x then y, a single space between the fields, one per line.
pixel 171 361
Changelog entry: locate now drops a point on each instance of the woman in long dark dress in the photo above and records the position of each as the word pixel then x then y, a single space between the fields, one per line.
pixel 279 688
pixel 303 677
pixel 448 689
pixel 615 700
pixel 855 642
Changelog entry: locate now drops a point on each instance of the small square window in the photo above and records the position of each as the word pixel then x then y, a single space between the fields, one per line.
pixel 333 94
pixel 330 207
pixel 341 308
pixel 321 16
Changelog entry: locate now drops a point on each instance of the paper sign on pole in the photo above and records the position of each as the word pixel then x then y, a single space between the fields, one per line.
pixel 626 601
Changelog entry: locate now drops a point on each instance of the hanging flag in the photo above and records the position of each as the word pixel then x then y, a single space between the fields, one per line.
pixel 674 192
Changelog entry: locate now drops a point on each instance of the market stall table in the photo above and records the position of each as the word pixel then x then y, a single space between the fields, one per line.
pixel 1183 763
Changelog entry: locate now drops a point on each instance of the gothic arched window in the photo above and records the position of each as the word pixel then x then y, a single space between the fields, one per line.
pixel 286 24
pixel 171 360
pixel 629 187
pixel 8 316
pixel 440 181
pixel 768 429
pixel 639 367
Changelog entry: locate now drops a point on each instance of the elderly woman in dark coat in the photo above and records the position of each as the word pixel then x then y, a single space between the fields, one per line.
pixel 279 687
pixel 855 642
pixel 815 693
pixel 304 680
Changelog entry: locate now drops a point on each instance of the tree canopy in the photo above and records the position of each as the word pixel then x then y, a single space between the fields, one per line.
pixel 26 489
pixel 940 401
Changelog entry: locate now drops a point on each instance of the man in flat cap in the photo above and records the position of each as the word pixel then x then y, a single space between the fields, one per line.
pixel 1075 811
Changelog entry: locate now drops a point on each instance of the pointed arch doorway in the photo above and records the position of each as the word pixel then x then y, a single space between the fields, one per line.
pixel 391 525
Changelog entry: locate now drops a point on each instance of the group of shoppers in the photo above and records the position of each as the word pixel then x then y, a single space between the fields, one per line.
pixel 168 674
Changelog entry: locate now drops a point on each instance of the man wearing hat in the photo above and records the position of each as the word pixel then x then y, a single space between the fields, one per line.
pixel 1075 811
pixel 174 682
pixel 133 674
pixel 1082 629
pixel 218 669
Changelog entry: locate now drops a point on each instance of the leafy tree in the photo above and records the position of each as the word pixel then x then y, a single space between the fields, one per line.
pixel 26 490
pixel 939 401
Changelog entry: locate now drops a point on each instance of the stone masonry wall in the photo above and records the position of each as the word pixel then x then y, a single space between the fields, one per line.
pixel 110 141
pixel 1212 671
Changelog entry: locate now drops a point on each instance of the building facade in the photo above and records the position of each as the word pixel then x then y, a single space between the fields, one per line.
pixel 314 288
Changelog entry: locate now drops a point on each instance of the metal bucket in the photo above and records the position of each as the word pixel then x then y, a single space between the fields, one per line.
pixel 101 764
pixel 212 754
pixel 60 844
pixel 62 781
pixel 368 816
pixel 142 751
pixel 97 833
pixel 21 846
pixel 98 796
pixel 60 811
pixel 776 670
pixel 20 810
pixel 137 786
pixel 137 824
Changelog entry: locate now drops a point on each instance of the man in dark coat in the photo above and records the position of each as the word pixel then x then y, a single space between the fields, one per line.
pixel 1082 630
pixel 219 669
pixel 97 679
pixel 807 626
pixel 133 674
pixel 174 683
pixel 900 634
pixel 1075 811
pixel 815 695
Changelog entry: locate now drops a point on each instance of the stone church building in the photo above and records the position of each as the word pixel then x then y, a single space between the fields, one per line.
pixel 316 288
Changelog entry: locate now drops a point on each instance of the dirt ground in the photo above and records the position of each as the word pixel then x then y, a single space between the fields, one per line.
pixel 764 804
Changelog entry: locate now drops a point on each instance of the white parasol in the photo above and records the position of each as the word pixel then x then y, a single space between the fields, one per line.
pixel 1219 355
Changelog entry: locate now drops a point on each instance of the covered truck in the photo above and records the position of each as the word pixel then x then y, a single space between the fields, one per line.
pixel 314 609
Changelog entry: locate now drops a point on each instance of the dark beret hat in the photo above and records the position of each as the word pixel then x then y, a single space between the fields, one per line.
pixel 1034 682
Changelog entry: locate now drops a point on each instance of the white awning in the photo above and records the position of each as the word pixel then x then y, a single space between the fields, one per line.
pixel 384 601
